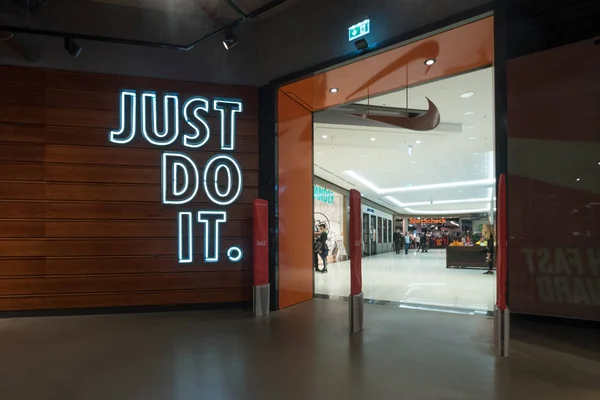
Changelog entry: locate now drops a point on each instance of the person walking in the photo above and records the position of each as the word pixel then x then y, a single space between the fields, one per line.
pixel 417 241
pixel 397 237
pixel 489 238
pixel 424 244
pixel 321 246
pixel 406 242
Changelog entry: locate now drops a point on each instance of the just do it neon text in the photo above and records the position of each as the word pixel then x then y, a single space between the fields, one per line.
pixel 181 177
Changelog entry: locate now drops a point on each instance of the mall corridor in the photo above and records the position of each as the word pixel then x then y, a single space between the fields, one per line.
pixel 303 352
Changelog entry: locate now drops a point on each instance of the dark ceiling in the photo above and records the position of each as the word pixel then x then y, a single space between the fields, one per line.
pixel 167 21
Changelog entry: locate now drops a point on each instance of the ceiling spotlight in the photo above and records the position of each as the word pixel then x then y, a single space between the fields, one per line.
pixel 361 44
pixel 230 39
pixel 418 142
pixel 372 139
pixel 72 48
pixel 578 179
pixel 473 138
pixel 470 112
pixel 333 90
pixel 475 154
pixel 362 155
pixel 466 95
pixel 324 136
pixel 470 126
pixel 430 62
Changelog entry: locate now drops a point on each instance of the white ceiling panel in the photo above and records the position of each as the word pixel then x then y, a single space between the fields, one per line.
pixel 459 153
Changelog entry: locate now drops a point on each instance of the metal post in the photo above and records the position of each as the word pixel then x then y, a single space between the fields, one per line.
pixel 260 294
pixel 356 313
pixel 502 331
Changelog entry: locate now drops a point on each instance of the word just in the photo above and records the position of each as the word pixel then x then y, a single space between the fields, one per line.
pixel 196 132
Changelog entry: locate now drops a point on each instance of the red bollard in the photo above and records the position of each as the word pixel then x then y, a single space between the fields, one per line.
pixel 356 295
pixel 260 236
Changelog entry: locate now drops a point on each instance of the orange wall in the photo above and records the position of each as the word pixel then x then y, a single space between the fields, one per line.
pixel 295 158
pixel 456 51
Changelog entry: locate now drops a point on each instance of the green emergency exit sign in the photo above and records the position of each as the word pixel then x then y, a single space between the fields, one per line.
pixel 359 30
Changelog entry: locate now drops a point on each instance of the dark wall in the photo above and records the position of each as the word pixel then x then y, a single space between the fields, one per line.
pixel 83 223
pixel 549 96
pixel 306 33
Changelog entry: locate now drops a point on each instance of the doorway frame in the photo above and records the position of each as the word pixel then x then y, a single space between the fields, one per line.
pixel 269 124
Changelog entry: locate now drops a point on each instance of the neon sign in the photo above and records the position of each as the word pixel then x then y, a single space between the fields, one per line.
pixel 181 179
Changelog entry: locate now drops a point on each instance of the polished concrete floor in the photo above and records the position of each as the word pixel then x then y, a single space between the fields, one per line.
pixel 303 352
pixel 416 278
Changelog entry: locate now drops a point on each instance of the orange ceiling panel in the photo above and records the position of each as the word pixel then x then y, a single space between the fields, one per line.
pixel 456 51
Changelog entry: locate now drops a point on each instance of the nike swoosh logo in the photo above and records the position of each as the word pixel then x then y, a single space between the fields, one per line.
pixel 424 122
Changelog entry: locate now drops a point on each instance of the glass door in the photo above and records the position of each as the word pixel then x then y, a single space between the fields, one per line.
pixel 366 233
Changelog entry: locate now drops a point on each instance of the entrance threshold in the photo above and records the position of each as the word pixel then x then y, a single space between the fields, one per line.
pixel 413 306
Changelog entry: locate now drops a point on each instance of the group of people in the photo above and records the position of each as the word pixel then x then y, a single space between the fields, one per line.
pixel 406 240
pixel 423 241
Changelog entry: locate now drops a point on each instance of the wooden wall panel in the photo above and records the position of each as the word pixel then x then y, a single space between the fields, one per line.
pixel 89 300
pixel 81 219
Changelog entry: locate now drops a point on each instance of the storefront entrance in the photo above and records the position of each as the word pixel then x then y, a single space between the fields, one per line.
pixel 455 52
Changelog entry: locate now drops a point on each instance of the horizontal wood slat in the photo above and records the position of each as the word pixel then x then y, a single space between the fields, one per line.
pixel 22 152
pixel 118 174
pixel 21 172
pixel 94 300
pixel 48 266
pixel 20 191
pixel 22 133
pixel 130 157
pixel 122 229
pixel 86 136
pixel 105 192
pixel 82 222
pixel 117 283
pixel 143 211
pixel 22 229
pixel 20 209
pixel 137 264
pixel 106 247
pixel 22 266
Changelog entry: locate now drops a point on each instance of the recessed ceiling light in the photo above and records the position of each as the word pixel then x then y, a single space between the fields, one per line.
pixel 470 112
pixel 430 61
pixel 418 142
pixel 578 179
pixel 473 138
pixel 372 139
pixel 469 126
pixel 466 95
pixel 362 156
pixel 319 153
pixel 475 154
pixel 391 170
pixel 414 162
pixel 324 136
pixel 333 90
